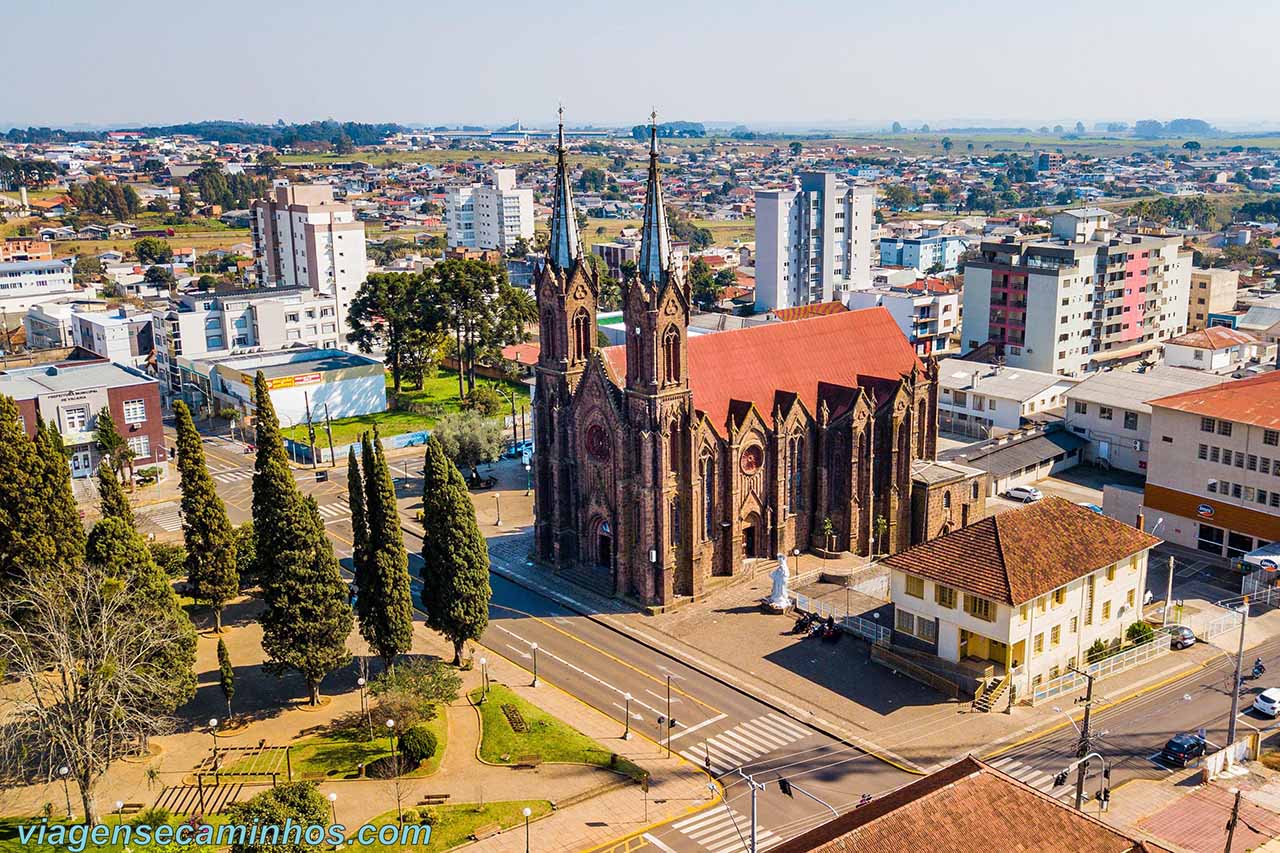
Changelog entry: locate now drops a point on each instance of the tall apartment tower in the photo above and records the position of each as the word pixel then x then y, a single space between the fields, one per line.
pixel 1085 299
pixel 303 238
pixel 813 243
pixel 492 216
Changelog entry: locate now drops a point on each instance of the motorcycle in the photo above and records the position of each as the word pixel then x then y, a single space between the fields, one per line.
pixel 830 633
pixel 803 624
pixel 1259 669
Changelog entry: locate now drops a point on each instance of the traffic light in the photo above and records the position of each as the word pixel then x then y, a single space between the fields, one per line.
pixel 661 720
pixel 1060 779
pixel 785 787
pixel 671 723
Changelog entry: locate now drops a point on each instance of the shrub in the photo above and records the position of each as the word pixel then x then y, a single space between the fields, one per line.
pixel 1139 632
pixel 484 400
pixel 170 557
pixel 1096 652
pixel 417 744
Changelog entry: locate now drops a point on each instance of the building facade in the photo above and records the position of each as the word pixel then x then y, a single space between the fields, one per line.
pixel 667 463
pixel 928 316
pixel 489 216
pixel 27 283
pixel 1217 349
pixel 25 249
pixel 813 243
pixel 1086 299
pixel 117 336
pixel 1213 291
pixel 983 400
pixel 1214 473
pixel 933 254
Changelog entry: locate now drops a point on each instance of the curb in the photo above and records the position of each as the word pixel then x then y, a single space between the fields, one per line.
pixel 828 728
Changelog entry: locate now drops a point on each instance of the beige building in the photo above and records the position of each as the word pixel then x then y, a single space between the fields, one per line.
pixel 1213 291
pixel 1019 596
pixel 303 238
pixel 1214 472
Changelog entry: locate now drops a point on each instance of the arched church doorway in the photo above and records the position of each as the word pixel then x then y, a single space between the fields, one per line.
pixel 752 531
pixel 602 546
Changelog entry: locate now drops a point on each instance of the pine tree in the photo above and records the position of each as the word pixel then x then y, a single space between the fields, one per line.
pixel 226 675
pixel 277 504
pixel 206 530
pixel 60 514
pixel 111 443
pixel 112 500
pixel 455 573
pixel 385 605
pixel 122 553
pixel 359 523
pixel 26 549
pixel 307 618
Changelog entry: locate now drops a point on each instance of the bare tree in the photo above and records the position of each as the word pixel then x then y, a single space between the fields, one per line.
pixel 81 664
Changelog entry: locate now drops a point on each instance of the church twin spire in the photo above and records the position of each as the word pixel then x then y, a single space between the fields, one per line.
pixel 565 246
pixel 655 240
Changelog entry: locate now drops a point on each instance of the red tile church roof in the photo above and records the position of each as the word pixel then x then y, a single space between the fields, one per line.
pixel 756 363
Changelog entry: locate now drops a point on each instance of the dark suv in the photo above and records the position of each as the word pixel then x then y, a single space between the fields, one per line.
pixel 1182 749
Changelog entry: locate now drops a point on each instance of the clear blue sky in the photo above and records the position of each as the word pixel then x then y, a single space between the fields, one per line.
pixel 806 61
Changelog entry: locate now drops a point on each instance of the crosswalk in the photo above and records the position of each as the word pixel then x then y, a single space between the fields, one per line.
pixel 745 742
pixel 1028 775
pixel 723 829
pixel 233 475
pixel 337 511
pixel 168 518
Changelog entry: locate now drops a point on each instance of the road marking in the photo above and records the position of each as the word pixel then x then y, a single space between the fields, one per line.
pixel 717 718
pixel 623 709
pixel 336 511
pixel 660 697
pixel 724 830
pixel 656 843
pixel 743 743
pixel 232 476
pixel 168 518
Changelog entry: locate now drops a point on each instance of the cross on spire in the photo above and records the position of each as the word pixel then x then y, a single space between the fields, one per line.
pixel 564 247
pixel 655 240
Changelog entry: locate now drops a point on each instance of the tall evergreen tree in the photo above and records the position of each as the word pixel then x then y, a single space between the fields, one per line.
pixel 359 522
pixel 58 502
pixel 122 553
pixel 26 549
pixel 112 500
pixel 277 504
pixel 385 605
pixel 206 530
pixel 111 443
pixel 226 675
pixel 455 574
pixel 307 618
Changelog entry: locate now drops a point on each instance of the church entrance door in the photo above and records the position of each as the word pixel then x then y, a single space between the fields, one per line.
pixel 751 537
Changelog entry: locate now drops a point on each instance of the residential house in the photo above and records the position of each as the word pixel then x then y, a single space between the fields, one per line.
pixel 1217 349
pixel 982 400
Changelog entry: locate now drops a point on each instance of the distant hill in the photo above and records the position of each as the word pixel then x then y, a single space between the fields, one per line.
pixel 277 135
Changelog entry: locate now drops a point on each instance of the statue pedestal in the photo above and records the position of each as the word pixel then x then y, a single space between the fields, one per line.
pixel 779 600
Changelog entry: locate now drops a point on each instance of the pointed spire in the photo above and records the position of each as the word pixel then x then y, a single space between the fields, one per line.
pixel 564 247
pixel 655 240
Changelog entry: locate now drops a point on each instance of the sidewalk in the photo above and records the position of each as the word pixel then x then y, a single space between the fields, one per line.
pixel 833 687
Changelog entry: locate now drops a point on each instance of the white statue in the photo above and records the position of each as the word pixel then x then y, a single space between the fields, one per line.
pixel 780 598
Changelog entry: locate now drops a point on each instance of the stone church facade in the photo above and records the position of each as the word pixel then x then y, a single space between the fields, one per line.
pixel 667 463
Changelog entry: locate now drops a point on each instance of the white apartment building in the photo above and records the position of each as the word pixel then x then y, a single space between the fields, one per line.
pixel 928 315
pixel 1086 299
pixel 198 324
pixel 813 243
pixel 117 336
pixel 1020 596
pixel 27 283
pixel 1214 474
pixel 303 238
pixel 492 216
pixel 981 400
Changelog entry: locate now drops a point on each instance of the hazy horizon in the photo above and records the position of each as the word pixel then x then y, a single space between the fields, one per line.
pixel 818 64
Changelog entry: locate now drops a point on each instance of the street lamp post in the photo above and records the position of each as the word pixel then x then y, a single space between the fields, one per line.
pixel 395 766
pixel 528 479
pixel 64 771
pixel 626 735
pixel 526 811
pixel 364 705
pixel 119 812
pixel 534 646
pixel 213 732
pixel 333 807
pixel 497 503
pixel 484 678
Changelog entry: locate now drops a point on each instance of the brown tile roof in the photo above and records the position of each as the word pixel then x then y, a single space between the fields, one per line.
pixel 965 806
pixel 1015 556
pixel 804 312
pixel 1213 337
pixel 1250 401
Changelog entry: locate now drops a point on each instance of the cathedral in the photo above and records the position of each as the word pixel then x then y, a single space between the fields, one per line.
pixel 667 464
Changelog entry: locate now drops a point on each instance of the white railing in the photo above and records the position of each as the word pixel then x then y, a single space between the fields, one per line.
pixel 1157 646
pixel 868 629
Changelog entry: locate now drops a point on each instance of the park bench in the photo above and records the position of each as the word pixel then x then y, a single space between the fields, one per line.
pixel 487 830
pixel 433 799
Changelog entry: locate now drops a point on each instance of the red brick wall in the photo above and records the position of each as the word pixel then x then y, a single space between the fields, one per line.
pixel 152 428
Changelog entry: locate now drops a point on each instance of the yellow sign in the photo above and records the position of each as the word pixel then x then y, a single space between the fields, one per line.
pixel 284 381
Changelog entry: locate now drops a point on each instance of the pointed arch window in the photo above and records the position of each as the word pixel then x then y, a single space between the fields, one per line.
pixel 671 356
pixel 794 474
pixel 581 335
pixel 708 497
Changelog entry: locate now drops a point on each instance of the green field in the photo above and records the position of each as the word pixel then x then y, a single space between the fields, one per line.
pixel 723 233
pixel 454 824
pixel 435 158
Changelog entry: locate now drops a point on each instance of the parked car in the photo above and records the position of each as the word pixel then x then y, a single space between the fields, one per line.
pixel 1181 637
pixel 1090 507
pixel 1268 702
pixel 1182 749
pixel 1026 494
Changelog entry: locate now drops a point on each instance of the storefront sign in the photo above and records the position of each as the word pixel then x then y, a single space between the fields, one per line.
pixel 1204 511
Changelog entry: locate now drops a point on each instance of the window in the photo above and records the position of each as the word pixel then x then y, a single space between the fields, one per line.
pixel 1042 604
pixel 1059 596
pixel 1055 635
pixel 1224 428
pixel 1111 572
pixel 1039 643
pixel 1206 424
pixel 1226 456
pixel 1023 611
pixel 1214 454
pixel 141 446
pixel 927 630
pixel 135 411
pixel 1202 452
pixel 581 344
pixel 1128 598
pixel 1106 610
pixel 979 608
pixel 945 596
pixel 708 498
pixel 1075 624
pixel 904 622
pixel 1130 420
pixel 1251 462
pixel 74 420
pixel 1104 412
pixel 1271 437
pixel 915 586
pixel 670 355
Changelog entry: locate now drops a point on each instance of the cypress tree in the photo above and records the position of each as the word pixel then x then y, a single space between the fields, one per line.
pixel 307 618
pixel 206 530
pixel 278 514
pixel 111 443
pixel 26 549
pixel 121 552
pixel 455 574
pixel 385 607
pixel 359 523
pixel 112 500
pixel 60 514
pixel 226 675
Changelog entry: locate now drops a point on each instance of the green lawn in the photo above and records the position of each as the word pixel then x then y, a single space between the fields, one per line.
pixel 454 824
pixel 9 842
pixel 348 430
pixel 723 233
pixel 547 737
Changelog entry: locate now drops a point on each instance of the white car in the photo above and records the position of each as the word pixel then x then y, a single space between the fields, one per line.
pixel 1026 494
pixel 1268 702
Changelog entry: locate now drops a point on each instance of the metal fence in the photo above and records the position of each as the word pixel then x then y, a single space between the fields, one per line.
pixel 868 629
pixel 1157 646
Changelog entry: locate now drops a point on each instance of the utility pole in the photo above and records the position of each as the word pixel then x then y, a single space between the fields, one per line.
pixel 1083 749
pixel 1231 824
pixel 756 787
pixel 328 428
pixel 669 723
pixel 1239 681
pixel 311 430
pixel 1168 596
